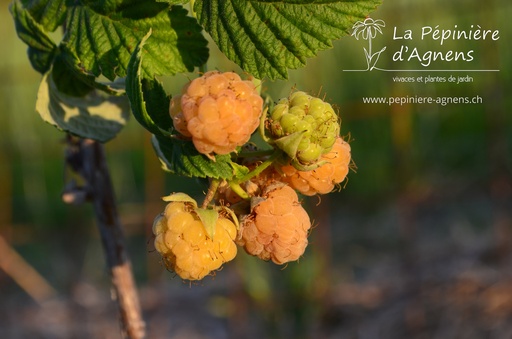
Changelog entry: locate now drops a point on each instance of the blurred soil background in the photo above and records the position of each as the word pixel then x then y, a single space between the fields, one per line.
pixel 417 245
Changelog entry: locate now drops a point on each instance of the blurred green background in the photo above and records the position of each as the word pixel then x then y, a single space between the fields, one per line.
pixel 418 244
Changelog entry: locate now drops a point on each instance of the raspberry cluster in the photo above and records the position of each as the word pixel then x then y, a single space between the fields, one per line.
pixel 219 111
pixel 259 208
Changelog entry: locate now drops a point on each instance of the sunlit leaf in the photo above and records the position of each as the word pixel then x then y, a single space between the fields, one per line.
pixel 41 48
pixel 149 102
pixel 93 116
pixel 104 43
pixel 266 38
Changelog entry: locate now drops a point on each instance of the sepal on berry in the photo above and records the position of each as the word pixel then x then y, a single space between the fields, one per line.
pixel 290 143
pixel 209 219
pixel 180 197
pixel 300 167
pixel 230 214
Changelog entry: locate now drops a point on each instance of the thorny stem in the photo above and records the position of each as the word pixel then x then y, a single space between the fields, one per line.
pixel 214 185
pixel 87 157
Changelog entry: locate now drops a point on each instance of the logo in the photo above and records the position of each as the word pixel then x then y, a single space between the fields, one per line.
pixel 367 30
pixel 412 51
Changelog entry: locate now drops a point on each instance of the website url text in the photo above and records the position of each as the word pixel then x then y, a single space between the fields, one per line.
pixel 403 100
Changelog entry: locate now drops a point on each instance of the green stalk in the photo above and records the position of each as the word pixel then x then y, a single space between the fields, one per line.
pixel 263 166
pixel 239 190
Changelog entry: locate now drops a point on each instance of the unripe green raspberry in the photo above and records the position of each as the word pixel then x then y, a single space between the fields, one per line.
pixel 304 127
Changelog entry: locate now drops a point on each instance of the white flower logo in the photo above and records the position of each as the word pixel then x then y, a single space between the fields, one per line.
pixel 368 29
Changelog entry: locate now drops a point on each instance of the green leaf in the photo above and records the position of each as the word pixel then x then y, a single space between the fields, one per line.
pixel 157 104
pixel 181 157
pixel 41 48
pixel 239 171
pixel 75 72
pixel 93 116
pixel 174 2
pixel 66 81
pixel 104 36
pixel 148 100
pixel 49 13
pixel 126 8
pixel 266 38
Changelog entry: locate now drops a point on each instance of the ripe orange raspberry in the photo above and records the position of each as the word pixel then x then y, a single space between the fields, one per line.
pixel 182 241
pixel 219 111
pixel 323 179
pixel 277 227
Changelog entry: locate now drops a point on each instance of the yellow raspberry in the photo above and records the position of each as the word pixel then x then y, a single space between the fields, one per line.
pixel 323 179
pixel 182 241
pixel 277 227
pixel 219 111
